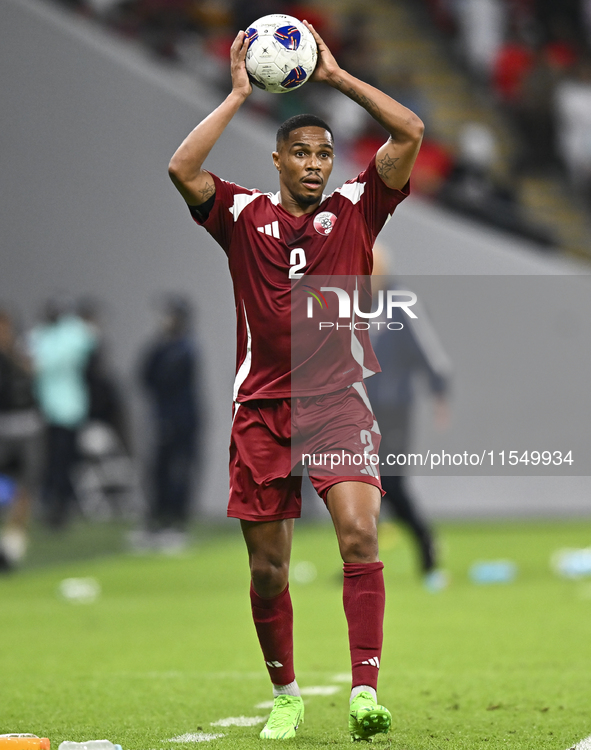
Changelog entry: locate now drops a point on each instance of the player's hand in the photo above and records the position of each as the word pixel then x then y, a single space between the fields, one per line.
pixel 326 67
pixel 240 81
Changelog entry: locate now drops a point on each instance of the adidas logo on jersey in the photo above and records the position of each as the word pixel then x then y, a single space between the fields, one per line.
pixel 271 229
pixel 273 663
pixel 373 662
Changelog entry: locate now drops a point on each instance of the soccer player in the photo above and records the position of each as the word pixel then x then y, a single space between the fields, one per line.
pixel 270 241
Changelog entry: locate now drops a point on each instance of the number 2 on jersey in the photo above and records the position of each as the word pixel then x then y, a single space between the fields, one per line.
pixel 297 260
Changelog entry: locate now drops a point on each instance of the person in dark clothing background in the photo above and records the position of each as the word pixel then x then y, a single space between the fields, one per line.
pixel 21 451
pixel 106 403
pixel 405 355
pixel 170 375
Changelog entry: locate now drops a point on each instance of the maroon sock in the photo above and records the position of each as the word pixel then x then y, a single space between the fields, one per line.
pixel 364 600
pixel 273 620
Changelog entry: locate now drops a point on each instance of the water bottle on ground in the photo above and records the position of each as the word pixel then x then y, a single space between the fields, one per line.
pixel 23 742
pixel 89 745
pixel 572 563
pixel 493 571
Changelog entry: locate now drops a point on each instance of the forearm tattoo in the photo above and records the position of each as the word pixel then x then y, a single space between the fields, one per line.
pixel 364 101
pixel 385 165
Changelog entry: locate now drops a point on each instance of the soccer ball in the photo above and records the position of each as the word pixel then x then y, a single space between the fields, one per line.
pixel 281 53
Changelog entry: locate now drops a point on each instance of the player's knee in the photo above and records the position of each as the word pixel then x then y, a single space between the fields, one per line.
pixel 358 542
pixel 269 577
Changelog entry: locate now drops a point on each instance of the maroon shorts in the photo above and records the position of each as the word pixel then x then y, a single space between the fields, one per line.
pixel 335 436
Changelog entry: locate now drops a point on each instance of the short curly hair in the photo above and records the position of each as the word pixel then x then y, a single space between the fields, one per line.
pixel 300 121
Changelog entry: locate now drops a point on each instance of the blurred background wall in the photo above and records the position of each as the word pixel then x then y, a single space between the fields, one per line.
pixel 88 126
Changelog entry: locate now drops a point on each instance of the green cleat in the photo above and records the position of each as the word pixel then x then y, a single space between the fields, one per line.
pixel 366 718
pixel 286 715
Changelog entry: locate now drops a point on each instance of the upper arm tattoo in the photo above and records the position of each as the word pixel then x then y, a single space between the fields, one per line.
pixel 385 165
pixel 207 191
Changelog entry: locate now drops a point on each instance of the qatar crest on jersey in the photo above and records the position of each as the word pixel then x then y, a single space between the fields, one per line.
pixel 324 222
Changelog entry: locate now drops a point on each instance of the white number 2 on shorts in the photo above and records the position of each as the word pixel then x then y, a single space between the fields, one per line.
pixel 366 440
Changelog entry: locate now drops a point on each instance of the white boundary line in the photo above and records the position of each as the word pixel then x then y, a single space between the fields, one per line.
pixel 265 704
pixel 239 721
pixel 195 737
pixel 583 744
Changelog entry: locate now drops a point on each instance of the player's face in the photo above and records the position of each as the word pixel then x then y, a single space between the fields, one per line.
pixel 305 162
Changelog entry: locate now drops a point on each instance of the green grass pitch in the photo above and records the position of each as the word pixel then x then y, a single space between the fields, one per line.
pixel 169 647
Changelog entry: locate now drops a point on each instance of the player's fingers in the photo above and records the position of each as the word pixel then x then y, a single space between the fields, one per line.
pixel 244 48
pixel 314 33
pixel 238 42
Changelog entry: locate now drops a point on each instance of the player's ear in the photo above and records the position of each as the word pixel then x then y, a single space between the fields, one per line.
pixel 276 161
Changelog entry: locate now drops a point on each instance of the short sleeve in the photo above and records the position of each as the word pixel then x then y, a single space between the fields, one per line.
pixel 221 219
pixel 201 212
pixel 376 200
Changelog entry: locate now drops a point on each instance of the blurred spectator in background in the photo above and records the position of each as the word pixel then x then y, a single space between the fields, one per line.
pixel 513 61
pixel 170 375
pixel 405 356
pixel 20 444
pixel 536 52
pixel 105 478
pixel 162 24
pixel 566 15
pixel 517 52
pixel 563 46
pixel 432 168
pixel 524 80
pixel 573 111
pixel 473 190
pixel 481 24
pixel 60 348
pixel 105 402
pixel 356 49
pixel 247 11
pixel 159 24
pixel 534 114
pixel 362 136
pixel 401 84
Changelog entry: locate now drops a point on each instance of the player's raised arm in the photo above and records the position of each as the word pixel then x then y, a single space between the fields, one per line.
pixel 186 166
pixel 395 159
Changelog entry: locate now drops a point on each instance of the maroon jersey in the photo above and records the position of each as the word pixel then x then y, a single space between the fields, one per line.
pixel 268 252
